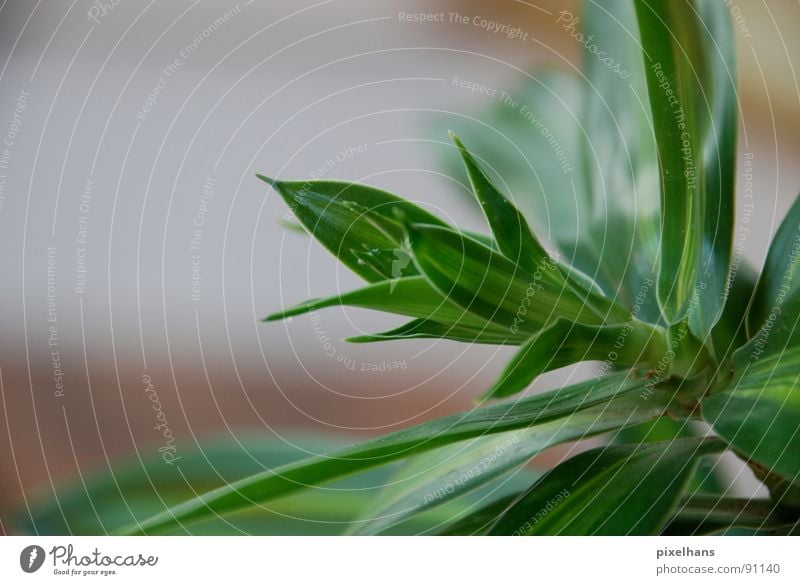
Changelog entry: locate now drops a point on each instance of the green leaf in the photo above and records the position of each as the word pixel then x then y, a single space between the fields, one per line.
pixel 689 63
pixel 438 477
pixel 621 162
pixel 780 278
pixel 478 522
pixel 618 490
pixel 706 514
pixel 619 156
pixel 489 285
pixel 517 243
pixel 133 489
pixel 411 296
pixel 730 332
pixel 427 329
pixel 444 431
pixel 511 231
pixel 564 343
pixel 532 148
pixel 759 410
pixel 362 226
pixel 707 478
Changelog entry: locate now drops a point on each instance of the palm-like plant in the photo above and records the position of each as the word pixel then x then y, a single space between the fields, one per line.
pixel 648 285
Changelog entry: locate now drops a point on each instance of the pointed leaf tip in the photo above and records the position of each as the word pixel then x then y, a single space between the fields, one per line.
pixel 268 180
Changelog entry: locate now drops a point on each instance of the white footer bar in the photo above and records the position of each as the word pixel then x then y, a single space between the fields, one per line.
pixel 415 560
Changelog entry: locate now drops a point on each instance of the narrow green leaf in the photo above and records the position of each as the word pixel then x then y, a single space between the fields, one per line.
pixel 516 241
pixel 533 148
pixel 719 108
pixel 434 478
pixel 493 419
pixel 440 476
pixel 688 51
pixel 670 41
pixel 564 343
pixel 618 490
pixel 411 296
pixel 619 156
pixel 458 331
pixel 730 332
pixel 707 513
pixel 362 226
pixel 511 231
pixel 133 489
pixel 780 278
pixel 489 285
pixel 758 412
pixel 708 478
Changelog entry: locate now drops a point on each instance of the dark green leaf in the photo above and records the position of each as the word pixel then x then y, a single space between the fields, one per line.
pixel 706 514
pixel 707 477
pixel 758 412
pixel 780 278
pixel 478 522
pixel 437 477
pixel 730 332
pixel 618 490
pixel 427 329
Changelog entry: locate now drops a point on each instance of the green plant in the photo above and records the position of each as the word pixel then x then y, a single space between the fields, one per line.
pixel 647 283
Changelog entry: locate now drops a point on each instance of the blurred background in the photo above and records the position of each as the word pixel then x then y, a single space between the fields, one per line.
pixel 139 251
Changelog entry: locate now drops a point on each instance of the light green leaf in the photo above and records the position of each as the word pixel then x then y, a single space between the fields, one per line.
pixel 618 490
pixel 619 156
pixel 437 477
pixel 133 489
pixel 438 433
pixel 631 344
pixel 689 63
